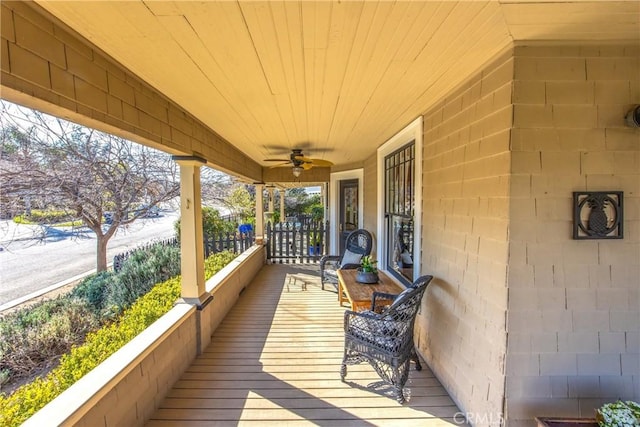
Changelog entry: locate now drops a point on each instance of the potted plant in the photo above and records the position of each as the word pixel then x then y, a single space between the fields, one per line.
pixel 619 414
pixel 314 243
pixel 368 271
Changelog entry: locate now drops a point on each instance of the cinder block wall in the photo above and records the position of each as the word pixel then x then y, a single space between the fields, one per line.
pixel 462 329
pixel 573 314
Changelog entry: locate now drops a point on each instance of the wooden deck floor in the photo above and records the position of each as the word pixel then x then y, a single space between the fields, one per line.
pixel 275 360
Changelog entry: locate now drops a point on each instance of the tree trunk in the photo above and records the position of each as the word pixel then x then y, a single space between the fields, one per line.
pixel 101 264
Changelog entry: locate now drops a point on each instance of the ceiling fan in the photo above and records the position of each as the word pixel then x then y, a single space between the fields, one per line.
pixel 299 162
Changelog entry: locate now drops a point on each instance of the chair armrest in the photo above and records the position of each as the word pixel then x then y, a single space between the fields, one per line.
pixel 380 300
pixel 350 266
pixel 358 319
pixel 329 258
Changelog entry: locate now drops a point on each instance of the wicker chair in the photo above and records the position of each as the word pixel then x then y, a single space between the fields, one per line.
pixel 357 245
pixel 384 337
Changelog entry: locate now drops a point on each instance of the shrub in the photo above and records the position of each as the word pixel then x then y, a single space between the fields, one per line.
pixel 140 272
pixel 30 398
pixel 39 216
pixel 93 289
pixel 216 262
pixel 36 336
pixel 212 223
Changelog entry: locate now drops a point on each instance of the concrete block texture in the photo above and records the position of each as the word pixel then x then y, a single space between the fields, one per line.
pixel 569 136
pixel 466 145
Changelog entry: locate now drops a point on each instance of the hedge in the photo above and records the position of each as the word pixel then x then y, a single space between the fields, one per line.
pixel 28 399
pixel 39 216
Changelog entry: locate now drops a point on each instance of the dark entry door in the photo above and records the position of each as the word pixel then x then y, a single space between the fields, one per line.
pixel 348 209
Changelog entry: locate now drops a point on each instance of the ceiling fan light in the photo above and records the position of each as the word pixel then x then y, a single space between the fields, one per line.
pixel 297 170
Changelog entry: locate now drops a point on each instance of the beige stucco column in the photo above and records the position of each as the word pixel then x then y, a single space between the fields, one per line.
pixel 281 192
pixel 191 239
pixel 259 214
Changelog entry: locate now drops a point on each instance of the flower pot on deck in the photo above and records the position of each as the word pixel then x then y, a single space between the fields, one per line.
pixel 366 277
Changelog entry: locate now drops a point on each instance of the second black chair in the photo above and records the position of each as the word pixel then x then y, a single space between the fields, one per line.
pixel 358 244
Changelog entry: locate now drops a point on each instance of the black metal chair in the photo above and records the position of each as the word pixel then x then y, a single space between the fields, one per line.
pixel 358 244
pixel 383 337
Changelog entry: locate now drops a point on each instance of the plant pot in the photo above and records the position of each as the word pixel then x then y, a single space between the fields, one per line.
pixel 366 277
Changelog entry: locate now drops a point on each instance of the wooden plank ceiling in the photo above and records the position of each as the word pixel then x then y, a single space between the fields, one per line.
pixel 335 78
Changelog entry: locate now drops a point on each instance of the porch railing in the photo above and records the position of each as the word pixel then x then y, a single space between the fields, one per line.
pixel 235 242
pixel 296 242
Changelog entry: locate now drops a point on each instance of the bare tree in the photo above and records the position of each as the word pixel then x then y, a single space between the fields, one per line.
pixel 104 180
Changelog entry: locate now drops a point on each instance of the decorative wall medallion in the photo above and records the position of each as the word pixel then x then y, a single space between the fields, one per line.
pixel 597 215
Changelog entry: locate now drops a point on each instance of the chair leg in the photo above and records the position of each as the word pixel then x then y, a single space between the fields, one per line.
pixel 416 359
pixel 400 395
pixel 343 371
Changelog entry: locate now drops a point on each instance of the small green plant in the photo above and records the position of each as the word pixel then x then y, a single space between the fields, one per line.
pixel 368 264
pixel 619 414
pixel 314 238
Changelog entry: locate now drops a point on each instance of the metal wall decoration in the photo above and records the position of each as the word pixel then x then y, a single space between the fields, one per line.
pixel 597 215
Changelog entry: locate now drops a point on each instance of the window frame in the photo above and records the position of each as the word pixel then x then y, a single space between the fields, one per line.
pixel 414 131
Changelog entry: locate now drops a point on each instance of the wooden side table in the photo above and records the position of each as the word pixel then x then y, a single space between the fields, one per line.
pixel 359 294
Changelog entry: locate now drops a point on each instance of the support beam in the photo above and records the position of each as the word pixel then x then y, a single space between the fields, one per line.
pixel 259 214
pixel 191 238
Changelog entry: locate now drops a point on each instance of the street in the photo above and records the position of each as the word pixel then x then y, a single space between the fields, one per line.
pixel 34 257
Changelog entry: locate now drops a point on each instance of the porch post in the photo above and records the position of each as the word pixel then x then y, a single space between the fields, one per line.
pixel 259 214
pixel 191 239
pixel 323 200
pixel 281 192
pixel 270 190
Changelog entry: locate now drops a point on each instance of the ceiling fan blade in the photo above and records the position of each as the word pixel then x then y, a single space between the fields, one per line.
pixel 319 162
pixel 280 165
pixel 307 165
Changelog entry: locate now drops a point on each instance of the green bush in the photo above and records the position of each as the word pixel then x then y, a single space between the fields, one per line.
pixel 39 216
pixel 36 336
pixel 140 272
pixel 212 223
pixel 216 262
pixel 30 398
pixel 93 289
